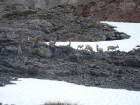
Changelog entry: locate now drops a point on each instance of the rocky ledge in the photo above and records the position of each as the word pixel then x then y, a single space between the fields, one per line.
pixel 19 22
pixel 20 58
pixel 112 69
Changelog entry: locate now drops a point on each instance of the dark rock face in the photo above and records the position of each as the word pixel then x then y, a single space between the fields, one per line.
pixel 108 69
pixel 52 24
pixel 20 57
pixel 43 4
pixel 115 10
pixel 133 61
pixel 101 10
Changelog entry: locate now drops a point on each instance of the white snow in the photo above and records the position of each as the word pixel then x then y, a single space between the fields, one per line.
pixel 132 29
pixel 36 92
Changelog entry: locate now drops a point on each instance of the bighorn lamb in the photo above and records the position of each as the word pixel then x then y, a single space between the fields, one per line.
pixel 31 39
pixel 89 48
pixel 112 47
pixel 80 46
pixel 52 43
pixel 99 49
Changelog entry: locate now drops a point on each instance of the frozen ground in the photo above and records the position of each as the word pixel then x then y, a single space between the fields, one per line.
pixel 37 92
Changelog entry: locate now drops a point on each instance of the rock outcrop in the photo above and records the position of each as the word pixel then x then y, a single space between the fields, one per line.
pixel 20 22
pixel 107 70
pixel 101 10
pixel 113 10
pixel 43 4
pixel 20 58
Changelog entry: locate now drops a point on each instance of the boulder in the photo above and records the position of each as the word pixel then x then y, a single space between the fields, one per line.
pixel 44 52
pixel 132 61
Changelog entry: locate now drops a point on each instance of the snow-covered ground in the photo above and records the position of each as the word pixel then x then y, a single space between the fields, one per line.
pixel 132 29
pixel 37 92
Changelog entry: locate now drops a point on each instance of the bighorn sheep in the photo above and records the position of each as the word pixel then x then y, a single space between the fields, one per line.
pixel 80 46
pixel 52 43
pixel 31 39
pixel 99 49
pixel 69 43
pixel 112 47
pixel 89 48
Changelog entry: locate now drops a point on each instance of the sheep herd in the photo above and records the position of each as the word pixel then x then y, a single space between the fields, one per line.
pixel 99 49
pixel 79 47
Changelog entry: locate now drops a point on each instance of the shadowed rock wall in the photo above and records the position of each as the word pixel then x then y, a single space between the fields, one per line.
pixel 43 4
pixel 101 10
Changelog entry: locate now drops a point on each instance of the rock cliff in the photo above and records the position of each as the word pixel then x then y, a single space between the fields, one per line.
pixel 42 4
pixel 21 58
pixel 19 22
pixel 111 10
pixel 104 10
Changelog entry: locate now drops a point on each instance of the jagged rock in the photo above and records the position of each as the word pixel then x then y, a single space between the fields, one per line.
pixel 44 52
pixel 123 36
pixel 101 10
pixel 51 24
pixel 134 62
pixel 44 4
pixel 138 46
pixel 22 58
pixel 4 69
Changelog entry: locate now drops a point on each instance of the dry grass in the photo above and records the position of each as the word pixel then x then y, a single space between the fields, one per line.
pixel 45 14
pixel 66 47
pixel 101 62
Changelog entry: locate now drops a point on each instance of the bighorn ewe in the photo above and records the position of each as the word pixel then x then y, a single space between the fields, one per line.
pixel 31 39
pixel 112 47
pixel 99 49
pixel 69 43
pixel 80 46
pixel 52 43
pixel 89 48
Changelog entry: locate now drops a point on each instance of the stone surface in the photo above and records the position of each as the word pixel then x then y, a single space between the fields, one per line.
pixel 105 10
pixel 21 58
